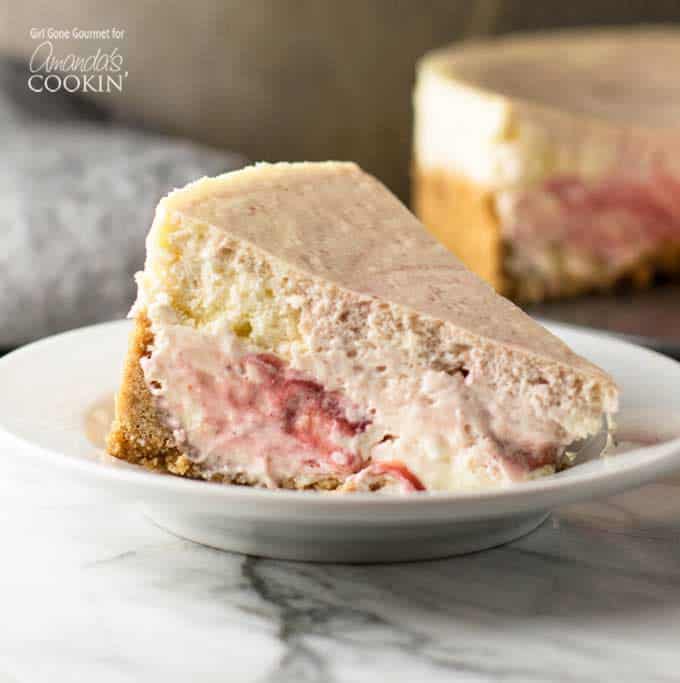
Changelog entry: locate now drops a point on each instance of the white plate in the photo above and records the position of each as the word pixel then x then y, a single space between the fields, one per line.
pixel 48 390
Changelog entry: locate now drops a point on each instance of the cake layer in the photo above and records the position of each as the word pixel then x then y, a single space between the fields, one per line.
pixel 571 139
pixel 304 330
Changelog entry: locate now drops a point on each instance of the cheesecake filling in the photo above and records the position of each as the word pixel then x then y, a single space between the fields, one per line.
pixel 385 477
pixel 244 413
pixel 568 227
pixel 327 420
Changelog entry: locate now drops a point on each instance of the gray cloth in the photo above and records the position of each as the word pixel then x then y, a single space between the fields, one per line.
pixel 77 195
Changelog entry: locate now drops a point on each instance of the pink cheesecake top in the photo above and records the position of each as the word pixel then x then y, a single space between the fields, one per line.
pixel 334 221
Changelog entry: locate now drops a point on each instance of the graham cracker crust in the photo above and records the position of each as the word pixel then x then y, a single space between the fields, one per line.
pixel 137 434
pixel 461 215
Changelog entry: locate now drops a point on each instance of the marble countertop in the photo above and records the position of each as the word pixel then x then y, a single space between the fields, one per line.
pixel 92 591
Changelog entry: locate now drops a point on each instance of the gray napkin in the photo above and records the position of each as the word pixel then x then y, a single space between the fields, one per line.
pixel 77 195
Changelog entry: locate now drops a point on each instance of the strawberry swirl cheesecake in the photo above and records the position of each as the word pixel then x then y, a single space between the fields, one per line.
pixel 297 327
pixel 549 163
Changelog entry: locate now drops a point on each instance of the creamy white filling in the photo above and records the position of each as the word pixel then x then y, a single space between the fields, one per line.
pixel 450 430
pixel 238 411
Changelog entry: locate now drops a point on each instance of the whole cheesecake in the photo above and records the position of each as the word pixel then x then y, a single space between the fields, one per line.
pixel 550 164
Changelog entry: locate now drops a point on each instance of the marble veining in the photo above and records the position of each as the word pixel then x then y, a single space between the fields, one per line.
pixel 92 591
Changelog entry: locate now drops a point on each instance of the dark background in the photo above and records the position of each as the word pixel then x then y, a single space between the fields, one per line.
pixel 297 79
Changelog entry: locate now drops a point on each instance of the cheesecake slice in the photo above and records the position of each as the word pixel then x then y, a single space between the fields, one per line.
pixel 296 327
pixel 549 163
